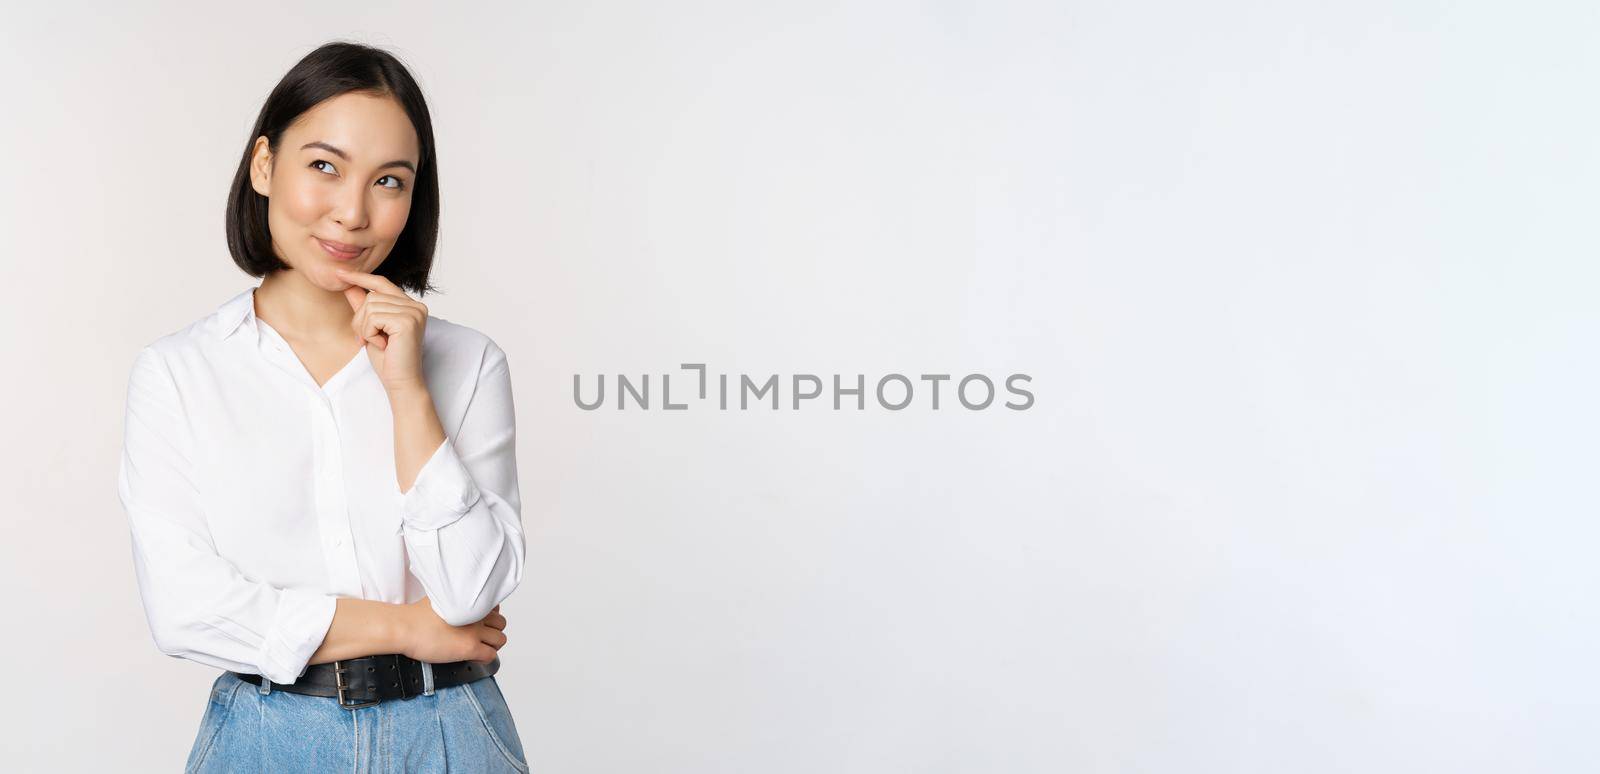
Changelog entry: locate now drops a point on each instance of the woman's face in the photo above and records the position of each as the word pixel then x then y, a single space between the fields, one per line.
pixel 342 178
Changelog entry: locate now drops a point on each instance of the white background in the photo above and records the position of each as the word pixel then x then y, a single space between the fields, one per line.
pixel 1307 291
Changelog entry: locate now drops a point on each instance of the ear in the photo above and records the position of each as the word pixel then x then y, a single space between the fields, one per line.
pixel 261 166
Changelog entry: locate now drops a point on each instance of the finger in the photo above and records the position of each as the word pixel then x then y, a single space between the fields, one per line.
pixel 483 654
pixel 405 313
pixel 374 321
pixel 495 621
pixel 359 318
pixel 356 295
pixel 374 282
pixel 388 324
pixel 378 302
pixel 493 638
pixel 372 330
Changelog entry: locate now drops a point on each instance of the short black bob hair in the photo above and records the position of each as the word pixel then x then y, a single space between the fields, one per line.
pixel 333 69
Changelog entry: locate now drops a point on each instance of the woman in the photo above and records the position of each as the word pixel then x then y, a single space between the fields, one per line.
pixel 320 478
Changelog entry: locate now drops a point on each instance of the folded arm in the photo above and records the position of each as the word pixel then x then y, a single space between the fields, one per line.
pixel 461 517
pixel 199 606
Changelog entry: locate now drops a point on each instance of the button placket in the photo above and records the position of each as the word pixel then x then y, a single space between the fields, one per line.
pixel 332 502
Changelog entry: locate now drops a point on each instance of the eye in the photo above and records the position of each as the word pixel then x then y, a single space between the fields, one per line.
pixel 314 164
pixel 399 185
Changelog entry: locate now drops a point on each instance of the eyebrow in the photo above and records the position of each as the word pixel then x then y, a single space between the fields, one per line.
pixel 341 154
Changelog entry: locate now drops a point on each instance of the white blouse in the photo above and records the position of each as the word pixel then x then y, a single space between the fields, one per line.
pixel 255 497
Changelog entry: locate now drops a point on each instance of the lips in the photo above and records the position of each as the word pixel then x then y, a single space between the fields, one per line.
pixel 340 250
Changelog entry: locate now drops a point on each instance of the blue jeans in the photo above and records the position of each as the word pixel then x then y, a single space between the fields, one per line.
pixel 254 728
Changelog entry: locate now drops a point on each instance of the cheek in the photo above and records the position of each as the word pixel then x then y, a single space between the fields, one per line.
pixel 389 218
pixel 296 204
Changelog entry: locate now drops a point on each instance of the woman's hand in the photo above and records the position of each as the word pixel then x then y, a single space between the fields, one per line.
pixel 426 637
pixel 391 323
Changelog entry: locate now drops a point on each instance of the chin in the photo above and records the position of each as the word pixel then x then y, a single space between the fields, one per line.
pixel 322 275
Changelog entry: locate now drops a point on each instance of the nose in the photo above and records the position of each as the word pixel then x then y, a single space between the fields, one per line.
pixel 350 208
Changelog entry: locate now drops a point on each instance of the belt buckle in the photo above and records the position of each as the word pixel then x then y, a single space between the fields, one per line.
pixel 338 681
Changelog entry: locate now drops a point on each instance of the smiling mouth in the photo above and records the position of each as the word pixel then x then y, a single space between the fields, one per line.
pixel 340 251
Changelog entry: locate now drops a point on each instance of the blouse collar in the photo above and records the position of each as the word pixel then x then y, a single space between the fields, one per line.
pixel 233 312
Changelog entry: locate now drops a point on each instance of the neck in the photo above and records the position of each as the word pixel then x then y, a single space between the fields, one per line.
pixel 297 309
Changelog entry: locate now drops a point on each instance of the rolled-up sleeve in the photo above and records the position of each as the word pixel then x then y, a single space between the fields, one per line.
pixel 462 517
pixel 199 606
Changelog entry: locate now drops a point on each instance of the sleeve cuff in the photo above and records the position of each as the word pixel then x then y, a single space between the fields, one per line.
pixel 298 628
pixel 443 492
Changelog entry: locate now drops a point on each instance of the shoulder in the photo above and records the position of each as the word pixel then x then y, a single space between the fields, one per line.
pixel 459 347
pixel 194 340
pixel 462 365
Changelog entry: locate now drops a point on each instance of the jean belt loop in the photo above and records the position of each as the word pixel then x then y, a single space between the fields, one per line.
pixel 265 687
pixel 427 679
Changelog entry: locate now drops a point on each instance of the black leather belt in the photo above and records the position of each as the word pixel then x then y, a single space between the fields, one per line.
pixel 365 681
